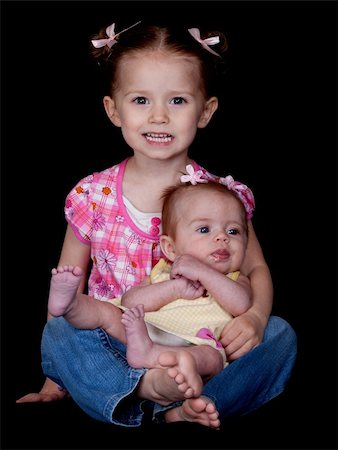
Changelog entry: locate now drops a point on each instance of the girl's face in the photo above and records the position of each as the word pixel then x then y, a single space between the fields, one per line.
pixel 159 104
pixel 211 226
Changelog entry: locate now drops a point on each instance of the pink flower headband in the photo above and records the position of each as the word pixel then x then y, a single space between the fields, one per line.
pixel 111 40
pixel 242 191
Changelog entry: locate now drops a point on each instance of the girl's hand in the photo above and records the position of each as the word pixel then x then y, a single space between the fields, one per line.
pixel 242 334
pixel 50 392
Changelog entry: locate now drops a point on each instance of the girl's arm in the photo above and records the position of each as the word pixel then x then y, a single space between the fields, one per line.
pixel 246 331
pixel 73 253
pixel 256 268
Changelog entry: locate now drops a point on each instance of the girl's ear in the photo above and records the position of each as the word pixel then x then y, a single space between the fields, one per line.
pixel 209 108
pixel 168 247
pixel 111 111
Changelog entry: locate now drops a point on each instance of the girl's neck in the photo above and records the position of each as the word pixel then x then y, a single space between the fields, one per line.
pixel 145 180
pixel 159 172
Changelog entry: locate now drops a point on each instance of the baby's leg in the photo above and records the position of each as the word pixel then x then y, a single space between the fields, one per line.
pixel 78 309
pixel 209 361
pixel 142 352
pixel 63 287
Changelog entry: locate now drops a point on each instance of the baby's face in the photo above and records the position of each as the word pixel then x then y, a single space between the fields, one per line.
pixel 211 226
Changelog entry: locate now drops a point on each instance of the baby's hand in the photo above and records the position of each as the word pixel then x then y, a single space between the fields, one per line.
pixel 189 290
pixel 188 267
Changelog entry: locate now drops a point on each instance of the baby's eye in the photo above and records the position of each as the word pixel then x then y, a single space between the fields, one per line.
pixel 233 231
pixel 203 230
pixel 177 101
pixel 140 100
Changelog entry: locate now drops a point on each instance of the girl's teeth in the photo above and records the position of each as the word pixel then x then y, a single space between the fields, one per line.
pixel 158 137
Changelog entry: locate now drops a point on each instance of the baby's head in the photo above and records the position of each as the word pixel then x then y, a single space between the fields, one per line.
pixel 206 220
pixel 150 39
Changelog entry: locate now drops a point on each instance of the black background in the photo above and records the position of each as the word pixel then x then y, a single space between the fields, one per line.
pixel 275 131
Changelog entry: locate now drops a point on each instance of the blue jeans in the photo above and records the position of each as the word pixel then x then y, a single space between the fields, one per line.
pixel 93 368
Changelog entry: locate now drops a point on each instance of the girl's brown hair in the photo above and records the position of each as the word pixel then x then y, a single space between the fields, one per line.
pixel 167 39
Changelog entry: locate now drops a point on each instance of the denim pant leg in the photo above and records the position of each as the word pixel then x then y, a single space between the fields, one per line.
pixel 258 376
pixel 93 368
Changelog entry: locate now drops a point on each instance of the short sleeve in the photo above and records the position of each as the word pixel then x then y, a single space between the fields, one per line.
pixel 79 209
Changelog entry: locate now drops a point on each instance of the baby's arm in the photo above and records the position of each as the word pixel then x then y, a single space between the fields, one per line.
pixel 154 296
pixel 233 296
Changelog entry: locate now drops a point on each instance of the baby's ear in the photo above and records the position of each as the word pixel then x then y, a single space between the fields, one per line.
pixel 168 247
pixel 111 111
pixel 209 108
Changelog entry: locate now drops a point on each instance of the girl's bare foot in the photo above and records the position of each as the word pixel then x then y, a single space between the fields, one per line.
pixel 63 287
pixel 199 410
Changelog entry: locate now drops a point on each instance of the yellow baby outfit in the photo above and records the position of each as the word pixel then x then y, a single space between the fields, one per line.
pixel 199 321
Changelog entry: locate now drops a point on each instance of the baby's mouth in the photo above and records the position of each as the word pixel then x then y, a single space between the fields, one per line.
pixel 221 255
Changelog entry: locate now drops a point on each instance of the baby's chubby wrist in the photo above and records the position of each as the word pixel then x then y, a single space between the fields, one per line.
pixel 179 286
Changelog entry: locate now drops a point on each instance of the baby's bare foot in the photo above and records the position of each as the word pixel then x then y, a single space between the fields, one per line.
pixel 63 287
pixel 140 348
pixel 199 410
pixel 181 366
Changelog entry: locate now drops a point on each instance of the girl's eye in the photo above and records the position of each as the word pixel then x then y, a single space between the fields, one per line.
pixel 177 100
pixel 204 230
pixel 140 101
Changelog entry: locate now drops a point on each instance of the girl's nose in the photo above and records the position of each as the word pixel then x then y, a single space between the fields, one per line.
pixel 159 114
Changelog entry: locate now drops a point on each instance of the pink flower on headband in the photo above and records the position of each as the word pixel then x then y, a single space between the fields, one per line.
pixel 243 193
pixel 111 40
pixel 193 177
pixel 195 33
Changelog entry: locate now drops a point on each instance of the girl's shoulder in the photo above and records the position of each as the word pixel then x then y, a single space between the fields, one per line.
pixel 111 174
pixel 103 179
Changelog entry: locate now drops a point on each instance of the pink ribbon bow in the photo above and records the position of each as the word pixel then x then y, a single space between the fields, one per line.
pixel 205 333
pixel 195 33
pixel 193 177
pixel 111 40
pixel 243 193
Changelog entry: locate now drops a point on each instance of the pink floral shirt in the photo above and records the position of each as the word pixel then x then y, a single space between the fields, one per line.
pixel 122 254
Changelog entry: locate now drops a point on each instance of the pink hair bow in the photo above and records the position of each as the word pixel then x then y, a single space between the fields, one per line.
pixel 193 177
pixel 111 40
pixel 243 193
pixel 195 33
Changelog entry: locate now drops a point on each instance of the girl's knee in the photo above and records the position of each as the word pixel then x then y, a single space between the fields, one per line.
pixel 279 329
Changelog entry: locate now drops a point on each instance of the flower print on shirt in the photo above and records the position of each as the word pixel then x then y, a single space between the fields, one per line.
pixel 98 221
pixel 106 261
pixel 83 190
pixel 104 291
pixel 131 268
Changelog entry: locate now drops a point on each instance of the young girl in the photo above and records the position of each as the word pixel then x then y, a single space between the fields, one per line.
pixel 161 90
pixel 205 237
